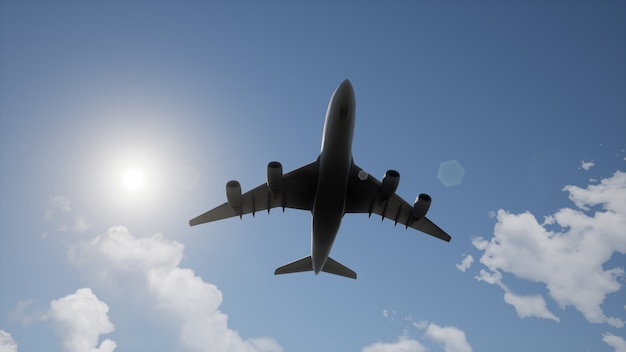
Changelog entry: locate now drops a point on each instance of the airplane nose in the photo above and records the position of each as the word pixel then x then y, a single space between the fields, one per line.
pixel 345 86
pixel 344 92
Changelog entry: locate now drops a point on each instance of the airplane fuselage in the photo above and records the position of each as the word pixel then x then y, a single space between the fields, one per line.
pixel 335 161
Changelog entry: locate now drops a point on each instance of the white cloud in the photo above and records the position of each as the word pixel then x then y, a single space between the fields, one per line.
pixel 586 165
pixel 390 315
pixel 177 292
pixel 525 306
pixel 529 306
pixel 617 342
pixel 6 342
pixel 421 324
pixel 82 318
pixel 570 262
pixel 450 338
pixel 466 263
pixel 404 344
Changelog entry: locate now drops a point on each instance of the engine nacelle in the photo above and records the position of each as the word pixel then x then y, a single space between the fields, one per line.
pixel 233 193
pixel 390 184
pixel 274 176
pixel 420 208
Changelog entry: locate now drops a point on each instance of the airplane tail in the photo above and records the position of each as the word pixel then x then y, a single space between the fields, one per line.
pixel 306 264
pixel 334 267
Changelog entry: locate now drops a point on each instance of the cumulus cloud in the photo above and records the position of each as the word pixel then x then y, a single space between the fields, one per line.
pixel 616 342
pixel 571 263
pixel 82 318
pixel 466 263
pixel 450 338
pixel 177 292
pixel 404 344
pixel 6 342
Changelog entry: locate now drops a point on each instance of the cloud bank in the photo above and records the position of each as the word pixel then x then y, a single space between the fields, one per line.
pixel 570 261
pixel 177 292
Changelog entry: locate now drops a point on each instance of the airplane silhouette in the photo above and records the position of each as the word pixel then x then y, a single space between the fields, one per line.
pixel 329 187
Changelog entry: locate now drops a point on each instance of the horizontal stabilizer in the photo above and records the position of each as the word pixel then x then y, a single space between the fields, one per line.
pixel 334 267
pixel 300 265
pixel 306 264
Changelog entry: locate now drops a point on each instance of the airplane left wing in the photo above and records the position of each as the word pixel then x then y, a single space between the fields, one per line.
pixel 364 196
pixel 297 192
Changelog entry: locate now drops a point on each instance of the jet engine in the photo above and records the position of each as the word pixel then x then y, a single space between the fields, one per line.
pixel 274 175
pixel 420 208
pixel 233 193
pixel 390 184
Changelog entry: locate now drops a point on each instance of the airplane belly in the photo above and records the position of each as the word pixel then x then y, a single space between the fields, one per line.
pixel 328 208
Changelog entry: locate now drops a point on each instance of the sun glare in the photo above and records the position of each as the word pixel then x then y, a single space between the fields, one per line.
pixel 133 179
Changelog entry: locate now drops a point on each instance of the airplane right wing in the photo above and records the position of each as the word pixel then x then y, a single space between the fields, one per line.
pixel 297 192
pixel 364 196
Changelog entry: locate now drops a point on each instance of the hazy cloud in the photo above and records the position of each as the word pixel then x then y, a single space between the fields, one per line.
pixel 81 225
pixel 6 342
pixel 82 318
pixel 617 342
pixel 57 204
pixel 570 262
pixel 466 263
pixel 60 205
pixel 28 311
pixel 177 292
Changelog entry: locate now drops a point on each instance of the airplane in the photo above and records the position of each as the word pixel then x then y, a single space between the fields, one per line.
pixel 330 187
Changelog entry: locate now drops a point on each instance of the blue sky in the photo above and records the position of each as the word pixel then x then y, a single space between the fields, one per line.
pixel 528 97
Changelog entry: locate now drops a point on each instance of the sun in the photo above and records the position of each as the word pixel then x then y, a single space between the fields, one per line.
pixel 133 179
